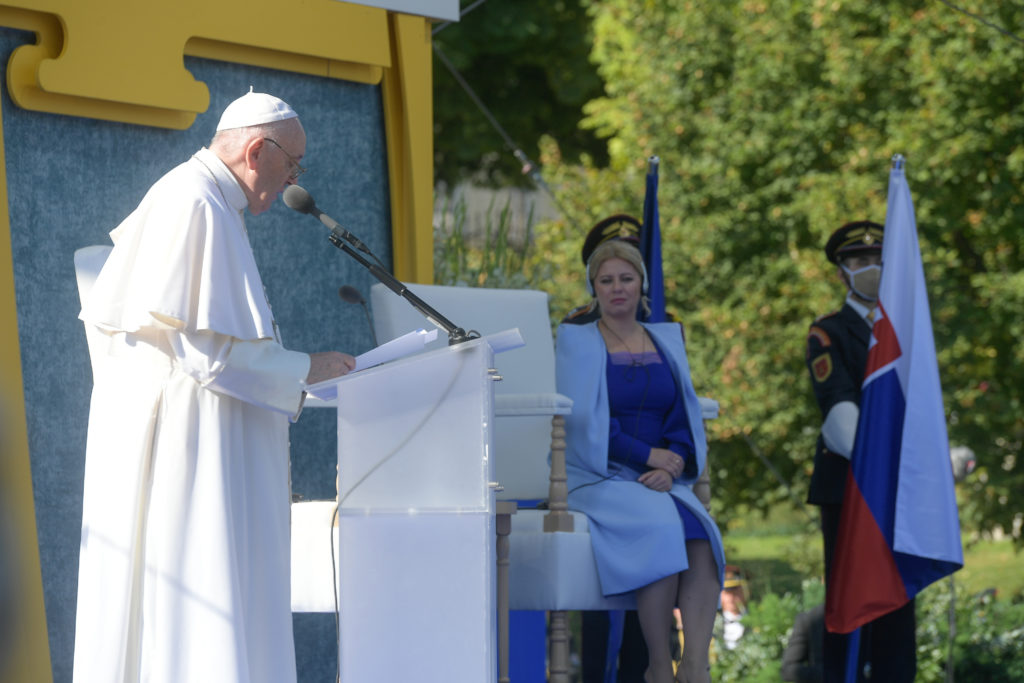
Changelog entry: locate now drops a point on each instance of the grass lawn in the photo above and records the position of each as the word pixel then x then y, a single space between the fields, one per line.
pixel 767 561
pixel 779 552
pixel 993 564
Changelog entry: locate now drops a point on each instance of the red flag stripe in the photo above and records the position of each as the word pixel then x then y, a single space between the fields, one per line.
pixel 865 581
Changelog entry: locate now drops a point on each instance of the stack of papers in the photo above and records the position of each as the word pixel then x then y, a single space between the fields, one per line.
pixel 405 345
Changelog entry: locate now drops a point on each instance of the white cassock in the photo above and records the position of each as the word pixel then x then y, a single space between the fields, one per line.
pixel 184 566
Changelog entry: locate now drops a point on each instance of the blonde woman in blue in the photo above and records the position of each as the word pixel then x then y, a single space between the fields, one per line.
pixel 635 446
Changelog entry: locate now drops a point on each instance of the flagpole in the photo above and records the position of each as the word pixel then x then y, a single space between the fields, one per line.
pixel 650 247
pixel 852 656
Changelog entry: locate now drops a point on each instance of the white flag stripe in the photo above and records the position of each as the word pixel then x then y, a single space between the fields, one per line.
pixel 927 523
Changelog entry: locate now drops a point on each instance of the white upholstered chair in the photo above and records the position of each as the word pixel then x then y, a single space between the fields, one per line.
pixel 551 563
pixel 88 263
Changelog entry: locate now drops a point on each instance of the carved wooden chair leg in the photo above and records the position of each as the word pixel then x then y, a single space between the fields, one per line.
pixel 558 647
pixel 503 523
pixel 558 517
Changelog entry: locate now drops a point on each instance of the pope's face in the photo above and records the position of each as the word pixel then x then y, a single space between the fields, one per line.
pixel 277 166
pixel 617 287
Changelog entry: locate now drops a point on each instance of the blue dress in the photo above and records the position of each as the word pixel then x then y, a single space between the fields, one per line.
pixel 637 534
pixel 642 400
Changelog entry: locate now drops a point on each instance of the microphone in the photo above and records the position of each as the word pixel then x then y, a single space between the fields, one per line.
pixel 297 198
pixel 351 295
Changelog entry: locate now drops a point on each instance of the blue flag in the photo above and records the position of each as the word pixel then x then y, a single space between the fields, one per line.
pixel 650 247
pixel 899 529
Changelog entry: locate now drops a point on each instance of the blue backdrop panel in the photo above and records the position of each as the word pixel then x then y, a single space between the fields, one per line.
pixel 72 180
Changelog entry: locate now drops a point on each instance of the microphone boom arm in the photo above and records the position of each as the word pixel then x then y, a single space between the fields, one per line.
pixel 456 335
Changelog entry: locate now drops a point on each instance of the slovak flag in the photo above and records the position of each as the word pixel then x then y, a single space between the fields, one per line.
pixel 899 529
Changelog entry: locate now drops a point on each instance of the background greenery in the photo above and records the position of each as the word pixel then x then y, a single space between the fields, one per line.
pixel 987 643
pixel 776 123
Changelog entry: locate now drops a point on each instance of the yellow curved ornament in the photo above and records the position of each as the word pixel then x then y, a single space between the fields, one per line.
pixel 122 60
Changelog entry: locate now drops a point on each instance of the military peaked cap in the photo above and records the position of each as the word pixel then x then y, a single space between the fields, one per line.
pixel 620 226
pixel 859 236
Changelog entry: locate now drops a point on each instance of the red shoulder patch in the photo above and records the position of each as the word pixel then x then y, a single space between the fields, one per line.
pixel 822 367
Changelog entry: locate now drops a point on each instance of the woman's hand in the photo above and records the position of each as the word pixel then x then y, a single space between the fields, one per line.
pixel 656 480
pixel 663 458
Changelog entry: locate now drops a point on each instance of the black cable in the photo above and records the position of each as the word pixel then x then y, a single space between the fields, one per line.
pixel 341 499
pixel 334 585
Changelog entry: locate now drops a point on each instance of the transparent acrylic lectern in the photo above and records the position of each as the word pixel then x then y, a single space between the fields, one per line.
pixel 416 522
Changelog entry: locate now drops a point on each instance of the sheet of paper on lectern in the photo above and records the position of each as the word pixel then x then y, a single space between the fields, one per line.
pixel 408 343
pixel 405 345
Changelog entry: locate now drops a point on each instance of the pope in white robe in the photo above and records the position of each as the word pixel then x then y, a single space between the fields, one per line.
pixel 185 560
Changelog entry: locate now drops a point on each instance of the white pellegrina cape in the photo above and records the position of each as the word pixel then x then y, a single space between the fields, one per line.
pixel 184 566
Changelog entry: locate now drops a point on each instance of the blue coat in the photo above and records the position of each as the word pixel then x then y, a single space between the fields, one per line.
pixel 636 532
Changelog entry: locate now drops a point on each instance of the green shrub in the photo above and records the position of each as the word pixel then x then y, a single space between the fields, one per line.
pixel 988 642
pixel 484 255
pixel 767 623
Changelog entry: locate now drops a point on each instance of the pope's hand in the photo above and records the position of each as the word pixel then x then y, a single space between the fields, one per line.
pixel 324 365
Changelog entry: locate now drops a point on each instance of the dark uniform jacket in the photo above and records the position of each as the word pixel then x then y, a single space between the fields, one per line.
pixel 837 354
pixel 581 316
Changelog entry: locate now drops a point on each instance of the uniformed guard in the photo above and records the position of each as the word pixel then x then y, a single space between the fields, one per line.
pixel 837 354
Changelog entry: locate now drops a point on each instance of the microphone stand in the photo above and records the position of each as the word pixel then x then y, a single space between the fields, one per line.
pixel 456 335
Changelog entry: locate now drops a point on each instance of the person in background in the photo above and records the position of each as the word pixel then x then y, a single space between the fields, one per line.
pixel 184 573
pixel 734 606
pixel 803 658
pixel 635 445
pixel 837 353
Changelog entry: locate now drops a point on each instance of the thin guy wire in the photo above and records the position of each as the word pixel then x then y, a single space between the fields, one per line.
pixel 444 25
pixel 983 20
pixel 528 166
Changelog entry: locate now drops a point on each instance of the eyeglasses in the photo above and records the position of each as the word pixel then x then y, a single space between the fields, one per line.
pixel 297 168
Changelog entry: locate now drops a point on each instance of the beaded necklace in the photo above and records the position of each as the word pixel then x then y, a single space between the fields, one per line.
pixel 634 360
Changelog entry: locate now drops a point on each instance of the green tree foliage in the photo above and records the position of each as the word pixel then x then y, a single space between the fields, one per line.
pixel 527 62
pixel 775 123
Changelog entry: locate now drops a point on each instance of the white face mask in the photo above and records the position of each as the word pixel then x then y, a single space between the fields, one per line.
pixel 864 281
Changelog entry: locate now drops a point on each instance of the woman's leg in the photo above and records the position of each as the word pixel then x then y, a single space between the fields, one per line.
pixel 698 603
pixel 654 610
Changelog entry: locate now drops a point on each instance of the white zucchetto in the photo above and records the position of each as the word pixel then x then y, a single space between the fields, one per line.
pixel 253 109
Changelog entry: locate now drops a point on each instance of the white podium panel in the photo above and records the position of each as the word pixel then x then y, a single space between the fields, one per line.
pixel 415 434
pixel 416 519
pixel 417 598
